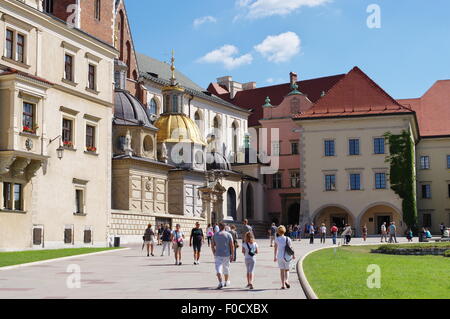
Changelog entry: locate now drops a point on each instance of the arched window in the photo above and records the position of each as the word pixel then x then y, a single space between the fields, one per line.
pixel 135 75
pixel 129 59
pixel 231 203
pixel 97 9
pixel 249 202
pixel 153 107
pixel 198 120
pixel 47 6
pixel 120 30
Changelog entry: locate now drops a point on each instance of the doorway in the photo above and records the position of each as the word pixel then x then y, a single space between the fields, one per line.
pixel 381 220
pixel 164 221
pixel 294 214
pixel 340 221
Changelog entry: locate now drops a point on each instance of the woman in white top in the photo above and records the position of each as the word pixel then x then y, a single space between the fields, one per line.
pixel 283 259
pixel 178 243
pixel 250 250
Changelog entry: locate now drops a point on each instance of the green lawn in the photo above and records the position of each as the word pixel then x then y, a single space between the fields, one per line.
pixel 341 273
pixel 23 257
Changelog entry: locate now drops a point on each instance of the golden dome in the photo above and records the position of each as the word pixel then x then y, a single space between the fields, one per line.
pixel 178 128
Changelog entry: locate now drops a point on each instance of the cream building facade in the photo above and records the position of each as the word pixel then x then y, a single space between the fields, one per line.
pixel 344 173
pixel 55 131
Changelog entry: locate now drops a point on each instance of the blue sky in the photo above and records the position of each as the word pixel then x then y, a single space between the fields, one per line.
pixel 314 38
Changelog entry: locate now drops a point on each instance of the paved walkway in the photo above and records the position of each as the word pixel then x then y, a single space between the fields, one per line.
pixel 130 274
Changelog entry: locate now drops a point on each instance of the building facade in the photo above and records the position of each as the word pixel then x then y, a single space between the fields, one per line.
pixel 55 127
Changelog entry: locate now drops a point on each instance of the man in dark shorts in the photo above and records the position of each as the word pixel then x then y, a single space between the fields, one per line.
pixel 196 241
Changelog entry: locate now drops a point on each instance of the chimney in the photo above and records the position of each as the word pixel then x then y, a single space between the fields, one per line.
pixel 249 86
pixel 293 78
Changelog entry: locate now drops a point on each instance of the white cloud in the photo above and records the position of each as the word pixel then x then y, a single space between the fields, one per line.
pixel 255 9
pixel 199 21
pixel 228 56
pixel 280 48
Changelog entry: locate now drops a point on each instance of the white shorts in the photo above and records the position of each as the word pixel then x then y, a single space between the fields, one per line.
pixel 223 265
pixel 250 265
pixel 283 264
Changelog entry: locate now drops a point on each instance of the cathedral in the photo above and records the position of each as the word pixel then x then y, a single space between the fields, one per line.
pixel 135 140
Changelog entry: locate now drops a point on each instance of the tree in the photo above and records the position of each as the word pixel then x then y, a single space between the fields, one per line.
pixel 402 174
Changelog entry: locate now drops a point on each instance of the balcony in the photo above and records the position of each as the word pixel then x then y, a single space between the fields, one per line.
pixel 20 165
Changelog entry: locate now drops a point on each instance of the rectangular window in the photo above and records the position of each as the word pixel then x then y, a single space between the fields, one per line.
pixel 92 77
pixel 28 120
pixel 294 148
pixel 424 162
pixel 48 6
pixel 18 197
pixel 355 182
pixel 448 161
pixel 68 68
pixel 21 48
pixel 295 179
pixel 97 10
pixel 87 236
pixel 7 203
pixel 379 146
pixel 68 236
pixel 380 180
pixel 330 183
pixel 275 148
pixel 427 220
pixel 276 180
pixel 79 201
pixel 426 191
pixel 67 132
pixel 353 146
pixel 329 148
pixel 9 44
pixel 90 138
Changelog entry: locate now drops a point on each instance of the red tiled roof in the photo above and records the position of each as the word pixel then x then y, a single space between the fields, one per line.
pixel 354 95
pixel 254 99
pixel 14 71
pixel 433 110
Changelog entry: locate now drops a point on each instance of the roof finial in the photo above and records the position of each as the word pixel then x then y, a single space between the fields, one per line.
pixel 267 102
pixel 172 68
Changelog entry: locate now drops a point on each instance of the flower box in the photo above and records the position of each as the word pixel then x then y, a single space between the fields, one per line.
pixel 30 130
pixel 91 149
pixel 68 144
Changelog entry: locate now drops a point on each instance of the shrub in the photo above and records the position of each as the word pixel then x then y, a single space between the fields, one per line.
pixel 447 253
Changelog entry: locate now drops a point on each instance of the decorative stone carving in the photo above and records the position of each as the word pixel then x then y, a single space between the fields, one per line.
pixel 19 166
pixel 127 144
pixel 5 164
pixel 163 153
pixel 29 144
pixel 33 168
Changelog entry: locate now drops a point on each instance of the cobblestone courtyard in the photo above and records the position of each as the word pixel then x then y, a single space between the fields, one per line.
pixel 130 274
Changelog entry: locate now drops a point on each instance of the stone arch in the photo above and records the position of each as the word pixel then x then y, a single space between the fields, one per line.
pixel 377 213
pixel 333 214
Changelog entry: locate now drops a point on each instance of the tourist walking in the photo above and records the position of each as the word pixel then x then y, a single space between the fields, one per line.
pixel 334 233
pixel 282 256
pixel 246 229
pixel 323 234
pixel 250 250
pixel 223 249
pixel 166 238
pixel 178 243
pixel 409 235
pixel 234 234
pixel 384 232
pixel 347 234
pixel 160 231
pixel 216 228
pixel 311 231
pixel 209 234
pixel 365 231
pixel 272 233
pixel 442 228
pixel 392 233
pixel 149 240
pixel 196 241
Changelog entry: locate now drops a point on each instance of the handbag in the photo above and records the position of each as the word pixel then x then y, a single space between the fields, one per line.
pixel 179 243
pixel 288 250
